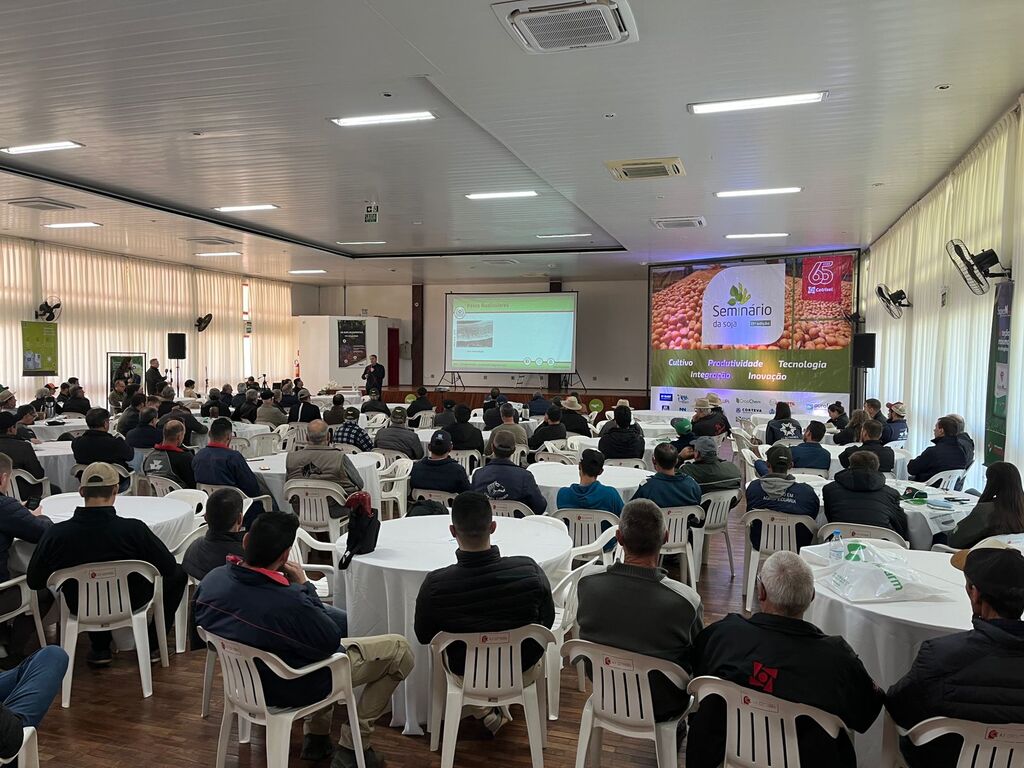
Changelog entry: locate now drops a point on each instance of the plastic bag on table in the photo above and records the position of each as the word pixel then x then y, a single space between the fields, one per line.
pixel 864 582
pixel 857 550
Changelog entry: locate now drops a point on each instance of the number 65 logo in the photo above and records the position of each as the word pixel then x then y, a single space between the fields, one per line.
pixel 821 273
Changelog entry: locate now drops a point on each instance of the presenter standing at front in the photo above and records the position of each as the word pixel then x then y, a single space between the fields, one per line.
pixel 374 375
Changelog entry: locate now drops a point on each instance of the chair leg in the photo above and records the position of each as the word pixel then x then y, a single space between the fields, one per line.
pixel 181 623
pixel 587 733
pixel 698 552
pixel 357 736
pixel 755 559
pixel 665 744
pixel 534 726
pixel 28 757
pixel 33 602
pixel 244 730
pixel 141 632
pixel 279 733
pixel 553 668
pixel 437 693
pixel 225 734
pixel 211 658
pixel 69 641
pixel 728 548
pixel 692 580
pixel 452 716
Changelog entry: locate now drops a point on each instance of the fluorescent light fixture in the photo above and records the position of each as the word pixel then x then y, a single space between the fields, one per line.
pixel 398 117
pixel 554 237
pixel 240 208
pixel 501 195
pixel 735 105
pixel 307 271
pixel 758 192
pixel 219 253
pixel 50 147
pixel 365 242
pixel 73 225
pixel 756 234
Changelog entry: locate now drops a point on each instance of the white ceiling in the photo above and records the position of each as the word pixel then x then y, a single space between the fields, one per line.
pixel 134 81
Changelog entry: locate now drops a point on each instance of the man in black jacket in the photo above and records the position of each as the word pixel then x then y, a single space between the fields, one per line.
pixel 155 381
pixel 573 420
pixel 975 675
pixel 95 534
pixel 859 495
pixel 483 592
pixel 169 459
pixel 375 404
pixel 247 410
pixel 944 455
pixel 373 374
pixel 303 411
pixel 776 652
pixel 77 402
pixel 501 479
pixel 130 415
pixel 97 444
pixel 439 471
pixel 622 441
pixel 147 434
pixel 22 455
pixel 493 417
pixel 223 536
pixel 421 403
pixel 873 407
pixel 465 437
pixel 192 425
pixel 16 522
pixel 216 402
pixel 538 405
pixel 550 429
pixel 870 433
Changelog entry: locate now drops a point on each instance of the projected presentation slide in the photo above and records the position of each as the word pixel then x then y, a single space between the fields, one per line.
pixel 511 332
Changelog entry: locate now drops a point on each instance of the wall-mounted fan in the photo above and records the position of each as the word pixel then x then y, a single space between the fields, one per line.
pixel 202 323
pixel 49 310
pixel 893 301
pixel 975 270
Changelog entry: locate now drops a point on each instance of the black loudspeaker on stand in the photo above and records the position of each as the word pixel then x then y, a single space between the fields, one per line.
pixel 176 352
pixel 863 350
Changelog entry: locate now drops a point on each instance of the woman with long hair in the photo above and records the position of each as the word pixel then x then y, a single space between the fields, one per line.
pixel 837 415
pixel 783 426
pixel 1000 509
pixel 851 432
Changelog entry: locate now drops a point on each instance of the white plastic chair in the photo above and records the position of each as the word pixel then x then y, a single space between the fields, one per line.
pixel 445 497
pixel 946 481
pixel 548 521
pixel 181 612
pixel 394 488
pixel 376 422
pixel 621 701
pixel 195 498
pixel 161 486
pixel 749 471
pixel 29 606
pixel 509 508
pixel 244 697
pixel 566 605
pixel 778 534
pixel 809 471
pixel 469 460
pixel 346 447
pixel 209 488
pixel 894 444
pixel 760 729
pixel 24 476
pixel 858 531
pixel 677 525
pixel 390 455
pixel 264 444
pixel 555 458
pixel 984 745
pixel 28 755
pixel 424 419
pixel 104 604
pixel 73 415
pixel 493 678
pixel 555 446
pixel 378 458
pixel 325 584
pixel 299 434
pixel 477 414
pixel 631 463
pixel 585 524
pixel 310 499
pixel 716 521
pixel 743 439
pixel 285 431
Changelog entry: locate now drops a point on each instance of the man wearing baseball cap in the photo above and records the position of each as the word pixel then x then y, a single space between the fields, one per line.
pixel 976 675
pixel 503 479
pixel 684 432
pixel 439 471
pixel 96 534
pixel 398 437
pixel 303 411
pixel 350 433
pixel 895 427
pixel 778 491
pixel 710 472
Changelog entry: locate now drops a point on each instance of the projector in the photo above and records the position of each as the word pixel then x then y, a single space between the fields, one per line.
pixel 440 389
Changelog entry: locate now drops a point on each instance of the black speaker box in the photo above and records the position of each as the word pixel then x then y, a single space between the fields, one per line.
pixel 864 350
pixel 175 346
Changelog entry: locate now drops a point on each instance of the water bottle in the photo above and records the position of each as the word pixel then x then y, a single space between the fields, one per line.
pixel 836 548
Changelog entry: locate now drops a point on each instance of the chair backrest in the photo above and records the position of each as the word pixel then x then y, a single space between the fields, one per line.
pixel 476 414
pixel 103 597
pixel 746 425
pixel 508 508
pixel 790 441
pixel 298 436
pixel 545 520
pixel 749 457
pixel 445 497
pixel 858 531
pixel 676 522
pixel 161 485
pixel 585 525
pixel 556 458
pixel 760 730
pixel 983 745
pixel 390 456
pixel 718 505
pixel 744 441
pixel 179 551
pixel 494 660
pixel 424 419
pixel 809 471
pixel 243 446
pixel 264 444
pixel 310 499
pixel 22 475
pixel 574 443
pixel 209 488
pixel 378 459
pixel 554 446
pixel 631 463
pixel 778 529
pixel 196 498
pixel 375 421
pixel 947 480
pixel 469 460
pixel 348 448
pixel 73 415
pixel 621 694
pixel 894 444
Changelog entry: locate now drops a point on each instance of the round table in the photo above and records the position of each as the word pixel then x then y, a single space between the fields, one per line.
pixel 380 588
pixel 273 470
pixel 650 443
pixel 240 429
pixel 47 432
pixel 899 466
pixel 551 478
pixel 57 460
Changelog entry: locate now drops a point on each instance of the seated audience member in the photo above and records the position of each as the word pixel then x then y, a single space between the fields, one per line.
pixel 870 432
pixel 666 488
pixel 809 454
pixel 223 537
pixel 217 406
pixel 873 408
pixel 716 410
pixel 589 493
pixel 420 404
pixel 147 434
pixel 508 424
pixel 665 616
pixel 494 399
pixel 169 458
pixel 446 417
pixel 976 675
pixel 26 416
pixel 63 393
pixel 268 413
pixel 116 398
pixel 8 401
pixel 999 511
pixel 266 601
pixel 684 433
pixel 334 415
pixel 375 404
pixel 895 427
pixel 944 455
pixel 239 399
pixel 77 401
pixel 851 433
pixel 398 437
pixel 502 479
pixel 710 472
pixel 783 426
pixel 22 456
pixel 219 464
pixel 249 408
pixel 439 471
pixel 706 422
pixel 837 415
pixel 193 426
pixel 573 419
pixel 965 440
pixel 538 405
pixel 859 495
pixel 317 459
pixel 26 692
pixel 16 522
pixel 97 534
pixel 551 429
pixel 778 491
pixel 303 411
pixel 190 390
pixel 492 416
pixel 45 403
pixel 130 416
pixel 484 592
pixel 776 652
pixel 350 433
pixel 465 437
pixel 622 441
pixel 96 444
pixel 288 398
pixel 167 401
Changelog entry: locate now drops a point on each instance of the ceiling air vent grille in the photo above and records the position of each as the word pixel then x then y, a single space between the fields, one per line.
pixel 646 168
pixel 679 222
pixel 541 27
pixel 210 240
pixel 42 204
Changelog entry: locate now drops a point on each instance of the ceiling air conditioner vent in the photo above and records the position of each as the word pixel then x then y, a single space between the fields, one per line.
pixel 541 27
pixel 210 240
pixel 42 204
pixel 646 168
pixel 679 222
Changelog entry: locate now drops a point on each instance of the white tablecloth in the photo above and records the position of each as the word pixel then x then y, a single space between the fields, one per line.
pixel 655 417
pixel 46 432
pixel 240 428
pixel 650 443
pixel 380 588
pixel 57 460
pixel 887 636
pixel 899 466
pixel 551 478
pixel 326 401
pixel 272 470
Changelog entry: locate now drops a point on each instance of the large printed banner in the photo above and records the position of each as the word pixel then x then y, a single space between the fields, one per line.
pixel 38 348
pixel 351 343
pixel 998 376
pixel 753 332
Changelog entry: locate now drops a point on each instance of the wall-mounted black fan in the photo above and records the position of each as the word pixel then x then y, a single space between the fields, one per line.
pixel 975 270
pixel 202 323
pixel 893 301
pixel 49 310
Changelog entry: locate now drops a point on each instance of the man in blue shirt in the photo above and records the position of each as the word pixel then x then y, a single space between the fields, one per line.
pixel 665 488
pixel 588 493
pixel 502 479
pixel 219 464
pixel 809 454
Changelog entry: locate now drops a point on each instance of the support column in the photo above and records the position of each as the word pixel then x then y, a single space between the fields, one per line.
pixel 417 335
pixel 554 379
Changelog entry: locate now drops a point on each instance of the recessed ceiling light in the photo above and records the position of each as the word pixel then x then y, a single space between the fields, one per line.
pixel 756 234
pixel 25 149
pixel 943 87
pixel 307 271
pixel 501 195
pixel 735 105
pixel 240 208
pixel 73 225
pixel 364 242
pixel 554 237
pixel 757 192
pixel 219 253
pixel 398 117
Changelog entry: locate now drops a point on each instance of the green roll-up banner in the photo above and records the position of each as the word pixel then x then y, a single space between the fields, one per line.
pixel 38 348
pixel 998 375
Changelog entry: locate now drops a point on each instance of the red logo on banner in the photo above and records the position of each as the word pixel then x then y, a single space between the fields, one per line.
pixel 823 277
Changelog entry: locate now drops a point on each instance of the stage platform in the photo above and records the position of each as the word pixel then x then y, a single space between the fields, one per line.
pixel 474 396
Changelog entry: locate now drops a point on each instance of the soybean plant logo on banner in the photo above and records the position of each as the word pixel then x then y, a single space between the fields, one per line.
pixel 745 305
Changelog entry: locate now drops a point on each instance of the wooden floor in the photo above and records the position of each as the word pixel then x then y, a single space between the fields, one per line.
pixel 110 725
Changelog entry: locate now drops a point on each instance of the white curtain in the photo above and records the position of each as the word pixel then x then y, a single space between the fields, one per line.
pixel 273 332
pixel 17 300
pixel 1014 236
pixel 219 347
